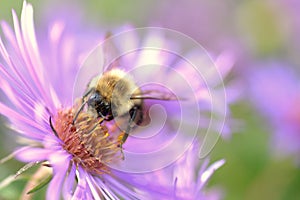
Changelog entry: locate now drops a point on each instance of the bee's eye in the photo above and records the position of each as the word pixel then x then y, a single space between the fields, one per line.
pixel 104 108
pixel 94 100
pixel 101 106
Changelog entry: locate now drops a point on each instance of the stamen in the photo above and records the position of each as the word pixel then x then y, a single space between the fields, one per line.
pixel 87 139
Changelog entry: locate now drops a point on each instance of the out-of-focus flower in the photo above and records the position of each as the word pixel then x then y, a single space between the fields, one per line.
pixel 212 21
pixel 80 158
pixel 212 27
pixel 185 179
pixel 275 90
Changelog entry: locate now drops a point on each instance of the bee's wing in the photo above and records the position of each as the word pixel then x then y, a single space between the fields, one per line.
pixel 156 95
pixel 110 52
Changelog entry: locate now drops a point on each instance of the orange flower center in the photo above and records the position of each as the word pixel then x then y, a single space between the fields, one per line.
pixel 90 142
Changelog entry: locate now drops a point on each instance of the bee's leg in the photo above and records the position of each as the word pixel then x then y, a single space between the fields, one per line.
pixel 82 105
pixel 78 111
pixel 87 93
pixel 131 123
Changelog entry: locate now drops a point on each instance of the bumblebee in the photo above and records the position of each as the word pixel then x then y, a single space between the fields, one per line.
pixel 115 93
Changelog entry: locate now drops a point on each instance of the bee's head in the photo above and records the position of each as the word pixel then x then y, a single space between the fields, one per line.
pixel 100 105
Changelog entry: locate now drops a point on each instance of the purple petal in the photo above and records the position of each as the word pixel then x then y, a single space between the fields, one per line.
pixel 93 187
pixel 19 120
pixel 69 184
pixel 32 154
pixel 82 189
pixel 60 163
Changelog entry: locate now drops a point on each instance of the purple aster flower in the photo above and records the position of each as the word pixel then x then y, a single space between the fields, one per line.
pixel 275 91
pixel 82 157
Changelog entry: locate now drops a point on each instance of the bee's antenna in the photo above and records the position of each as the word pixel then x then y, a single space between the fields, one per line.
pixel 78 111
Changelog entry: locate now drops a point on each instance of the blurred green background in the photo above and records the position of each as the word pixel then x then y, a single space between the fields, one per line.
pixel 256 29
